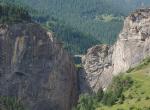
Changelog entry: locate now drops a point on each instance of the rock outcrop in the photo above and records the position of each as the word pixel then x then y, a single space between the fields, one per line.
pixel 102 62
pixel 133 44
pixel 97 65
pixel 35 68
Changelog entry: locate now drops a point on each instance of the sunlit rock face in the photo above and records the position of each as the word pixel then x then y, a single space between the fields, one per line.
pixel 98 66
pixel 35 68
pixel 131 47
pixel 133 44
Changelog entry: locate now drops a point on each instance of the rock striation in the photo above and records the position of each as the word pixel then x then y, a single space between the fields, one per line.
pixel 35 68
pixel 102 62
pixel 97 66
pixel 133 44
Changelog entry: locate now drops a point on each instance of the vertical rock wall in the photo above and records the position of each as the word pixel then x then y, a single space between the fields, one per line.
pixel 132 46
pixel 35 68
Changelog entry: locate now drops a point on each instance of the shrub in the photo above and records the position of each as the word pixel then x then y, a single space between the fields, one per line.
pixel 130 96
pixel 112 95
pixel 142 92
pixel 139 99
pixel 122 98
pixel 147 98
pixel 86 102
pixel 100 95
pixel 131 108
pixel 130 70
pixel 120 109
pixel 115 90
pixel 10 103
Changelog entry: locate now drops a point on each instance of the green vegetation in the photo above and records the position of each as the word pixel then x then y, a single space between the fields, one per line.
pixel 10 103
pixel 108 18
pixel 82 15
pixel 81 23
pixel 74 40
pixel 10 13
pixel 74 21
pixel 144 63
pixel 113 95
pixel 115 90
pixel 130 91
pixel 78 23
pixel 86 102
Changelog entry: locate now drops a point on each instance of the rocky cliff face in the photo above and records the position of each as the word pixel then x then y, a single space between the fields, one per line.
pixel 97 65
pixel 102 62
pixel 35 68
pixel 133 44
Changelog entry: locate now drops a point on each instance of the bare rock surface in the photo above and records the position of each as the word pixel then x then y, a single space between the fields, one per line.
pixel 133 44
pixel 102 62
pixel 97 65
pixel 35 68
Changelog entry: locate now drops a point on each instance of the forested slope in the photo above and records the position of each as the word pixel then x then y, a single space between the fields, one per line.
pixel 90 21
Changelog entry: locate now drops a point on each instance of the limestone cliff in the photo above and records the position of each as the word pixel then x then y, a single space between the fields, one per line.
pixel 103 62
pixel 133 44
pixel 35 68
pixel 97 66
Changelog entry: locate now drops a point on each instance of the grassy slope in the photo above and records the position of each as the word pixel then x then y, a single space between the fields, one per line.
pixel 138 96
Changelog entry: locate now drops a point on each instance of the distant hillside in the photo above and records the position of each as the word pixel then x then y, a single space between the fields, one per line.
pixel 85 15
pixel 101 20
pixel 11 13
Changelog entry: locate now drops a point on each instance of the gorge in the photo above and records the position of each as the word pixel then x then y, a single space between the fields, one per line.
pixel 37 71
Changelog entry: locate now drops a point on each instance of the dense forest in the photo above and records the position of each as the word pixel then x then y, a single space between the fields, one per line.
pixel 81 23
pixel 10 13
pixel 101 20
